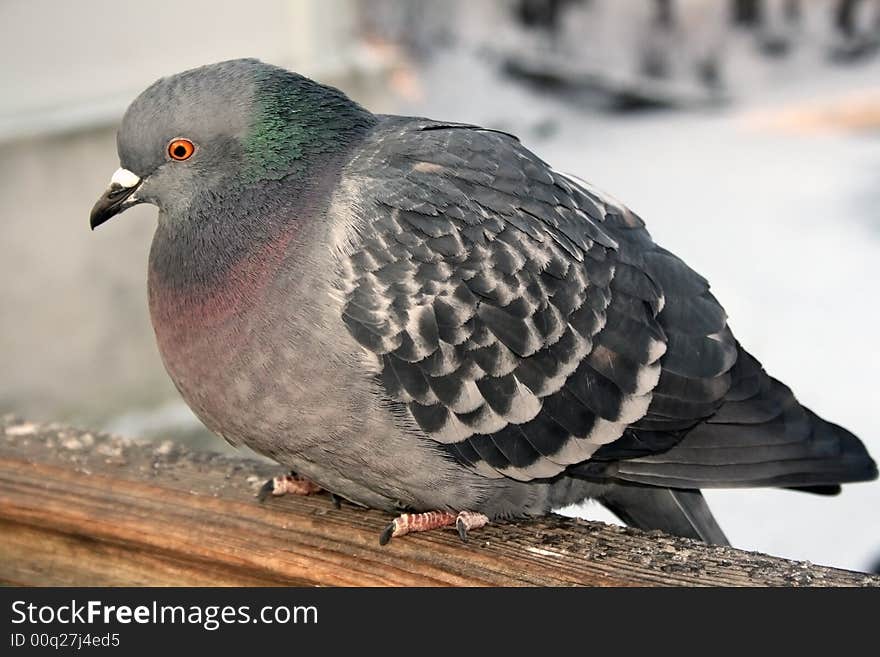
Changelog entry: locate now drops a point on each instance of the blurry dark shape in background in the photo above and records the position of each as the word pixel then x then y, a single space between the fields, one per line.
pixel 855 23
pixel 747 12
pixel 542 14
pixel 858 30
pixel 657 79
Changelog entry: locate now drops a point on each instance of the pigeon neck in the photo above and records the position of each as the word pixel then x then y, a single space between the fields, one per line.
pixel 208 265
pixel 296 121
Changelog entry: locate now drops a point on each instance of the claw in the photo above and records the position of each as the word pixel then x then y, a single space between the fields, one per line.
pixel 467 520
pixel 265 490
pixel 288 484
pixel 387 533
pixel 408 523
pixel 337 501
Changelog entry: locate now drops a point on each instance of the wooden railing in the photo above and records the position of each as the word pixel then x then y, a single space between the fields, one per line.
pixel 81 508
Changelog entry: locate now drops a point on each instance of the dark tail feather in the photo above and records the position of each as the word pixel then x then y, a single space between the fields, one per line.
pixel 817 490
pixel 796 449
pixel 678 511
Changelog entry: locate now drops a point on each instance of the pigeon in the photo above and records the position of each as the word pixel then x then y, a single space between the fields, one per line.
pixel 424 317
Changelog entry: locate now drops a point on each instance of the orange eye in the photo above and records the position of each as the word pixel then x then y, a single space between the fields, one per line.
pixel 181 149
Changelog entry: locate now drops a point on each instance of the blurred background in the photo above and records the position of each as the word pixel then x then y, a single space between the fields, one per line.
pixel 745 132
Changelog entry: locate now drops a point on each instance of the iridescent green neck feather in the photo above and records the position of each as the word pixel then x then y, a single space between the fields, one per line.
pixel 296 122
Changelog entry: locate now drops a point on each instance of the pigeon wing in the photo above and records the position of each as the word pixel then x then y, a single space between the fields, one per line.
pixel 484 284
pixel 529 325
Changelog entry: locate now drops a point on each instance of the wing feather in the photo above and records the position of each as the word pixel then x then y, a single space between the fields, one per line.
pixel 529 325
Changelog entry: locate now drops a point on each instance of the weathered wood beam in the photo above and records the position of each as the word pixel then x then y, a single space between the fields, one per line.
pixel 80 508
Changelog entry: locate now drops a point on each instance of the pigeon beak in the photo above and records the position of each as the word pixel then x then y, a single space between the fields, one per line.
pixel 118 197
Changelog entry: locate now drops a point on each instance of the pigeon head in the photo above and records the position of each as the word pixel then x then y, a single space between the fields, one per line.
pixel 216 131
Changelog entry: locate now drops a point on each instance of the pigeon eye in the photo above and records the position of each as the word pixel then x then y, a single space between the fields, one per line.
pixel 181 149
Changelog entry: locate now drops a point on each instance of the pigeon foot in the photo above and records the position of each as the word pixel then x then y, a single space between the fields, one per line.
pixel 288 484
pixel 422 522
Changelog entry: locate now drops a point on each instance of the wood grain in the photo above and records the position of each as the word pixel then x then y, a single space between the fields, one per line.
pixel 79 508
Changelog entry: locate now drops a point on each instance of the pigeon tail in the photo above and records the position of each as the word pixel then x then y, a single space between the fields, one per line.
pixel 760 436
pixel 678 511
